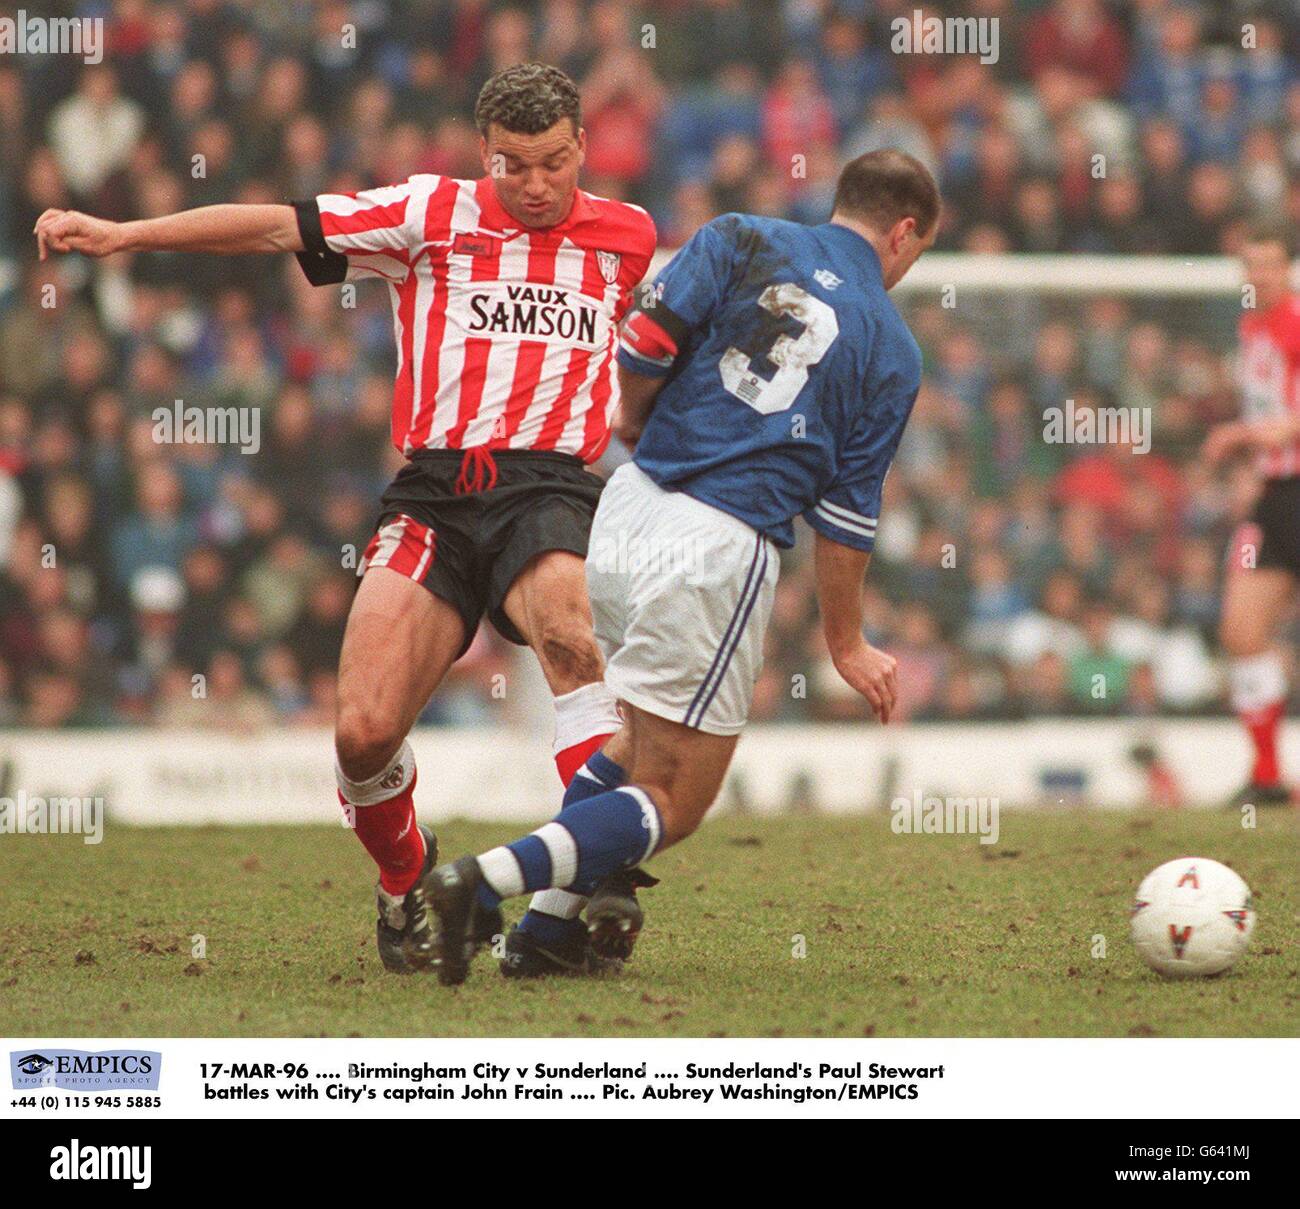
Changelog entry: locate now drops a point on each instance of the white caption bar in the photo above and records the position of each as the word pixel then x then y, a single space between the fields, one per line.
pixel 887 1077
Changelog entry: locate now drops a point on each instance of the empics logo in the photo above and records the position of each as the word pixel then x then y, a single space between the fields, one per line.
pixel 76 1161
pixel 82 1070
pixel 34 1064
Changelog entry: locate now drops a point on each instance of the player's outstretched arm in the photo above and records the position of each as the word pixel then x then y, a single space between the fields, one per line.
pixel 839 572
pixel 229 229
pixel 1229 438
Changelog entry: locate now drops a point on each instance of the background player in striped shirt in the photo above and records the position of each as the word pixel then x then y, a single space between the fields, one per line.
pixel 766 376
pixel 507 292
pixel 1261 582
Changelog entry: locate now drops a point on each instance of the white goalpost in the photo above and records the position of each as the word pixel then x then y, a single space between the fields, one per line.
pixel 1083 274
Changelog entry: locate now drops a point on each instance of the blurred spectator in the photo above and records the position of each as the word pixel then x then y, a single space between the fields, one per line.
pixel 1081 38
pixel 94 131
pixel 1099 676
pixel 797 116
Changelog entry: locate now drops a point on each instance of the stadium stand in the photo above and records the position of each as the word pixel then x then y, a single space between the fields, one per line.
pixel 175 560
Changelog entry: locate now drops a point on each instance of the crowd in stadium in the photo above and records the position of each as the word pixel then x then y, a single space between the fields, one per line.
pixel 1009 571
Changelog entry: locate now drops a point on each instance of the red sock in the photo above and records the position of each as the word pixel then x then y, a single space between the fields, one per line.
pixel 388 831
pixel 573 758
pixel 1263 727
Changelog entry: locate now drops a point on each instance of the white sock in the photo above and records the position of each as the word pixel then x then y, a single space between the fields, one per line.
pixel 585 712
pixel 391 780
pixel 563 904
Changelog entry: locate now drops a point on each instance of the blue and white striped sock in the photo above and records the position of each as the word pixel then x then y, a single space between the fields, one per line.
pixel 597 775
pixel 582 844
pixel 552 915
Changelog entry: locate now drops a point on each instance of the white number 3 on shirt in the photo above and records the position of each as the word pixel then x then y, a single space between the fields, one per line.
pixel 792 355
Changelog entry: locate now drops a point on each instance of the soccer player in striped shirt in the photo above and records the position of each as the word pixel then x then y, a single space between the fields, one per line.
pixel 507 293
pixel 1260 588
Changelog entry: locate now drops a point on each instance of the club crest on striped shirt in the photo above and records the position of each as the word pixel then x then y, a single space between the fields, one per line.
pixel 609 263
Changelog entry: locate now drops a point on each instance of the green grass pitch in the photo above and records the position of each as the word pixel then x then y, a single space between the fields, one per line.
pixel 901 935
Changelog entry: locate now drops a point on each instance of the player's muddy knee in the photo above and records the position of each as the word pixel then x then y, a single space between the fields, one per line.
pixel 364 743
pixel 570 650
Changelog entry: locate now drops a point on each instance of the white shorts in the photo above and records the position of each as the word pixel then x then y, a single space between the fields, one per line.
pixel 680 594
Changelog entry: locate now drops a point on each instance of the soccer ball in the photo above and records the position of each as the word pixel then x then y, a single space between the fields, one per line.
pixel 1191 917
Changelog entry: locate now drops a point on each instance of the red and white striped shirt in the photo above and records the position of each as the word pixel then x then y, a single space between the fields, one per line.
pixel 1269 374
pixel 506 334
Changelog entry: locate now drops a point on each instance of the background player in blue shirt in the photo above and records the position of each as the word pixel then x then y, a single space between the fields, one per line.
pixel 766 376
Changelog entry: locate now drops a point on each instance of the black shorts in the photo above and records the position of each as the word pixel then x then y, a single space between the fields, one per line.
pixel 1277 513
pixel 465 531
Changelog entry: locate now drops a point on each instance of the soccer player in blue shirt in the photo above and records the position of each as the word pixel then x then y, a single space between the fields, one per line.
pixel 766 376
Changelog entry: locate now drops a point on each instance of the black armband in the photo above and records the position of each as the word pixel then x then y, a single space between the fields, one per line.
pixel 320 263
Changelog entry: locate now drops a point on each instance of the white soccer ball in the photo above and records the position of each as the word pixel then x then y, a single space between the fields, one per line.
pixel 1191 917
